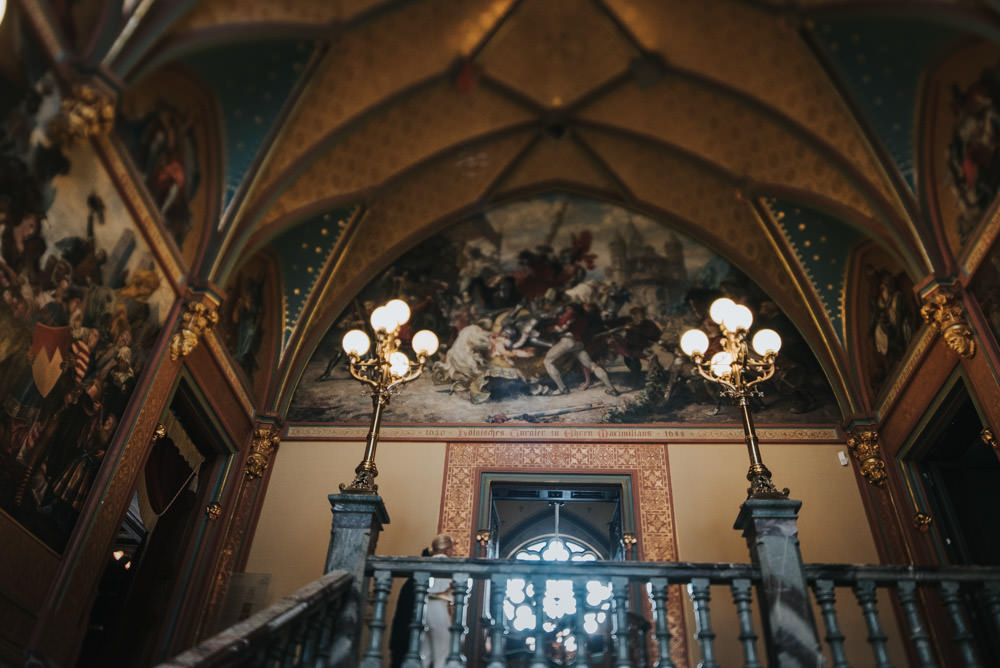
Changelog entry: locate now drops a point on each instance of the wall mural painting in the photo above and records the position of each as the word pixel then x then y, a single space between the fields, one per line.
pixel 985 286
pixel 247 315
pixel 887 315
pixel 965 136
pixel 163 122
pixel 82 304
pixel 561 309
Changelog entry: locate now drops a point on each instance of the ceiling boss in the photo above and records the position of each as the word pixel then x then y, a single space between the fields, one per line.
pixel 384 372
pixel 739 373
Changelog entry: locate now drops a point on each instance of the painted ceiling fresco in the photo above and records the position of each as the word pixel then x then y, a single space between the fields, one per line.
pixel 332 137
pixel 561 309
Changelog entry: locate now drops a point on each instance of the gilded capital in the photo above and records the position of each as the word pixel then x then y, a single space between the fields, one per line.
pixel 265 440
pixel 86 111
pixel 864 447
pixel 989 438
pixel 943 310
pixel 198 318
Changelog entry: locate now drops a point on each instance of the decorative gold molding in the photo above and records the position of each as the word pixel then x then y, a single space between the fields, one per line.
pixel 943 310
pixel 629 540
pixel 198 318
pixel 86 112
pixel 265 440
pixel 159 432
pixel 864 447
pixel 214 510
pixel 483 537
pixel 989 438
pixel 922 521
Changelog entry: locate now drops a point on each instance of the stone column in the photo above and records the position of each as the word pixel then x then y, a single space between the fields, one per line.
pixel 357 521
pixel 769 526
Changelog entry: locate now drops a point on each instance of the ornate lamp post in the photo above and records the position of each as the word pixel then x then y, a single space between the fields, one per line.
pixel 383 373
pixel 739 373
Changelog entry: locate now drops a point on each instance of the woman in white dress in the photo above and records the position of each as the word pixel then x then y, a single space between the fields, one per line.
pixel 440 602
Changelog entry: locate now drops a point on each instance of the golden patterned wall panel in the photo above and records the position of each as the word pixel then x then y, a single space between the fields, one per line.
pixel 646 465
pixel 554 51
pixel 388 143
pixel 558 160
pixel 746 49
pixel 377 60
pixel 683 188
pixel 727 132
pixel 216 12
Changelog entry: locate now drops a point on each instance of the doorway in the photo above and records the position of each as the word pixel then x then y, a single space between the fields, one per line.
pixel 153 569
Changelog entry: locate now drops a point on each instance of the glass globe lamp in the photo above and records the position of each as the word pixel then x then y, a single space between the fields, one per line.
pixel 425 343
pixel 766 342
pixel 356 343
pixel 694 342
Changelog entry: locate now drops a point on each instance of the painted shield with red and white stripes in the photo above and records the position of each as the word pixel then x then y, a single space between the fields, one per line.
pixel 51 349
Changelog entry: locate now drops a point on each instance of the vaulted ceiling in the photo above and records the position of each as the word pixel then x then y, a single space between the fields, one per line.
pixel 759 128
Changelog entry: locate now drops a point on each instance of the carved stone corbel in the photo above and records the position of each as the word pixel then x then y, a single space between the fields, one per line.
pixel 199 317
pixel 944 311
pixel 86 111
pixel 265 440
pixel 864 447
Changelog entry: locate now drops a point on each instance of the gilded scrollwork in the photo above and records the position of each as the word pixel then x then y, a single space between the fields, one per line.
pixel 265 440
pixel 944 311
pixel 922 521
pixel 989 438
pixel 197 319
pixel 85 112
pixel 863 444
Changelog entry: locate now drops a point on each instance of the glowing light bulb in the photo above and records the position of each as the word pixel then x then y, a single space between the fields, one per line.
pixel 766 341
pixel 720 364
pixel 399 364
pixel 719 308
pixel 399 310
pixel 356 342
pixel 737 318
pixel 425 343
pixel 694 342
pixel 382 320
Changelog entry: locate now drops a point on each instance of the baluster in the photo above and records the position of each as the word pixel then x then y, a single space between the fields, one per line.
pixel 742 597
pixel 498 589
pixel 582 657
pixel 421 581
pixel 700 595
pixel 960 632
pixel 907 592
pixel 619 591
pixel 826 598
pixel 662 629
pixel 312 625
pixel 459 590
pixel 539 660
pixel 382 585
pixel 991 595
pixel 867 596
pixel 326 616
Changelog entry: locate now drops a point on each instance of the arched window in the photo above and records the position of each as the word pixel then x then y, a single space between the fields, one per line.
pixel 559 604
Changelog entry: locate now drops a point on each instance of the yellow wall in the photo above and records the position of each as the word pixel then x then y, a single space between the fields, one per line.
pixel 294 528
pixel 708 486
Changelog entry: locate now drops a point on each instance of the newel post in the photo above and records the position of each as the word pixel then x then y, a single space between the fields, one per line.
pixel 769 526
pixel 357 521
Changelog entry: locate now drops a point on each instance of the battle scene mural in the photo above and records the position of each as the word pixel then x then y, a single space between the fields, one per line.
pixel 561 309
pixel 82 305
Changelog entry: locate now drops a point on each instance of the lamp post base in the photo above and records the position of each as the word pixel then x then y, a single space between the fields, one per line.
pixel 761 486
pixel 364 479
